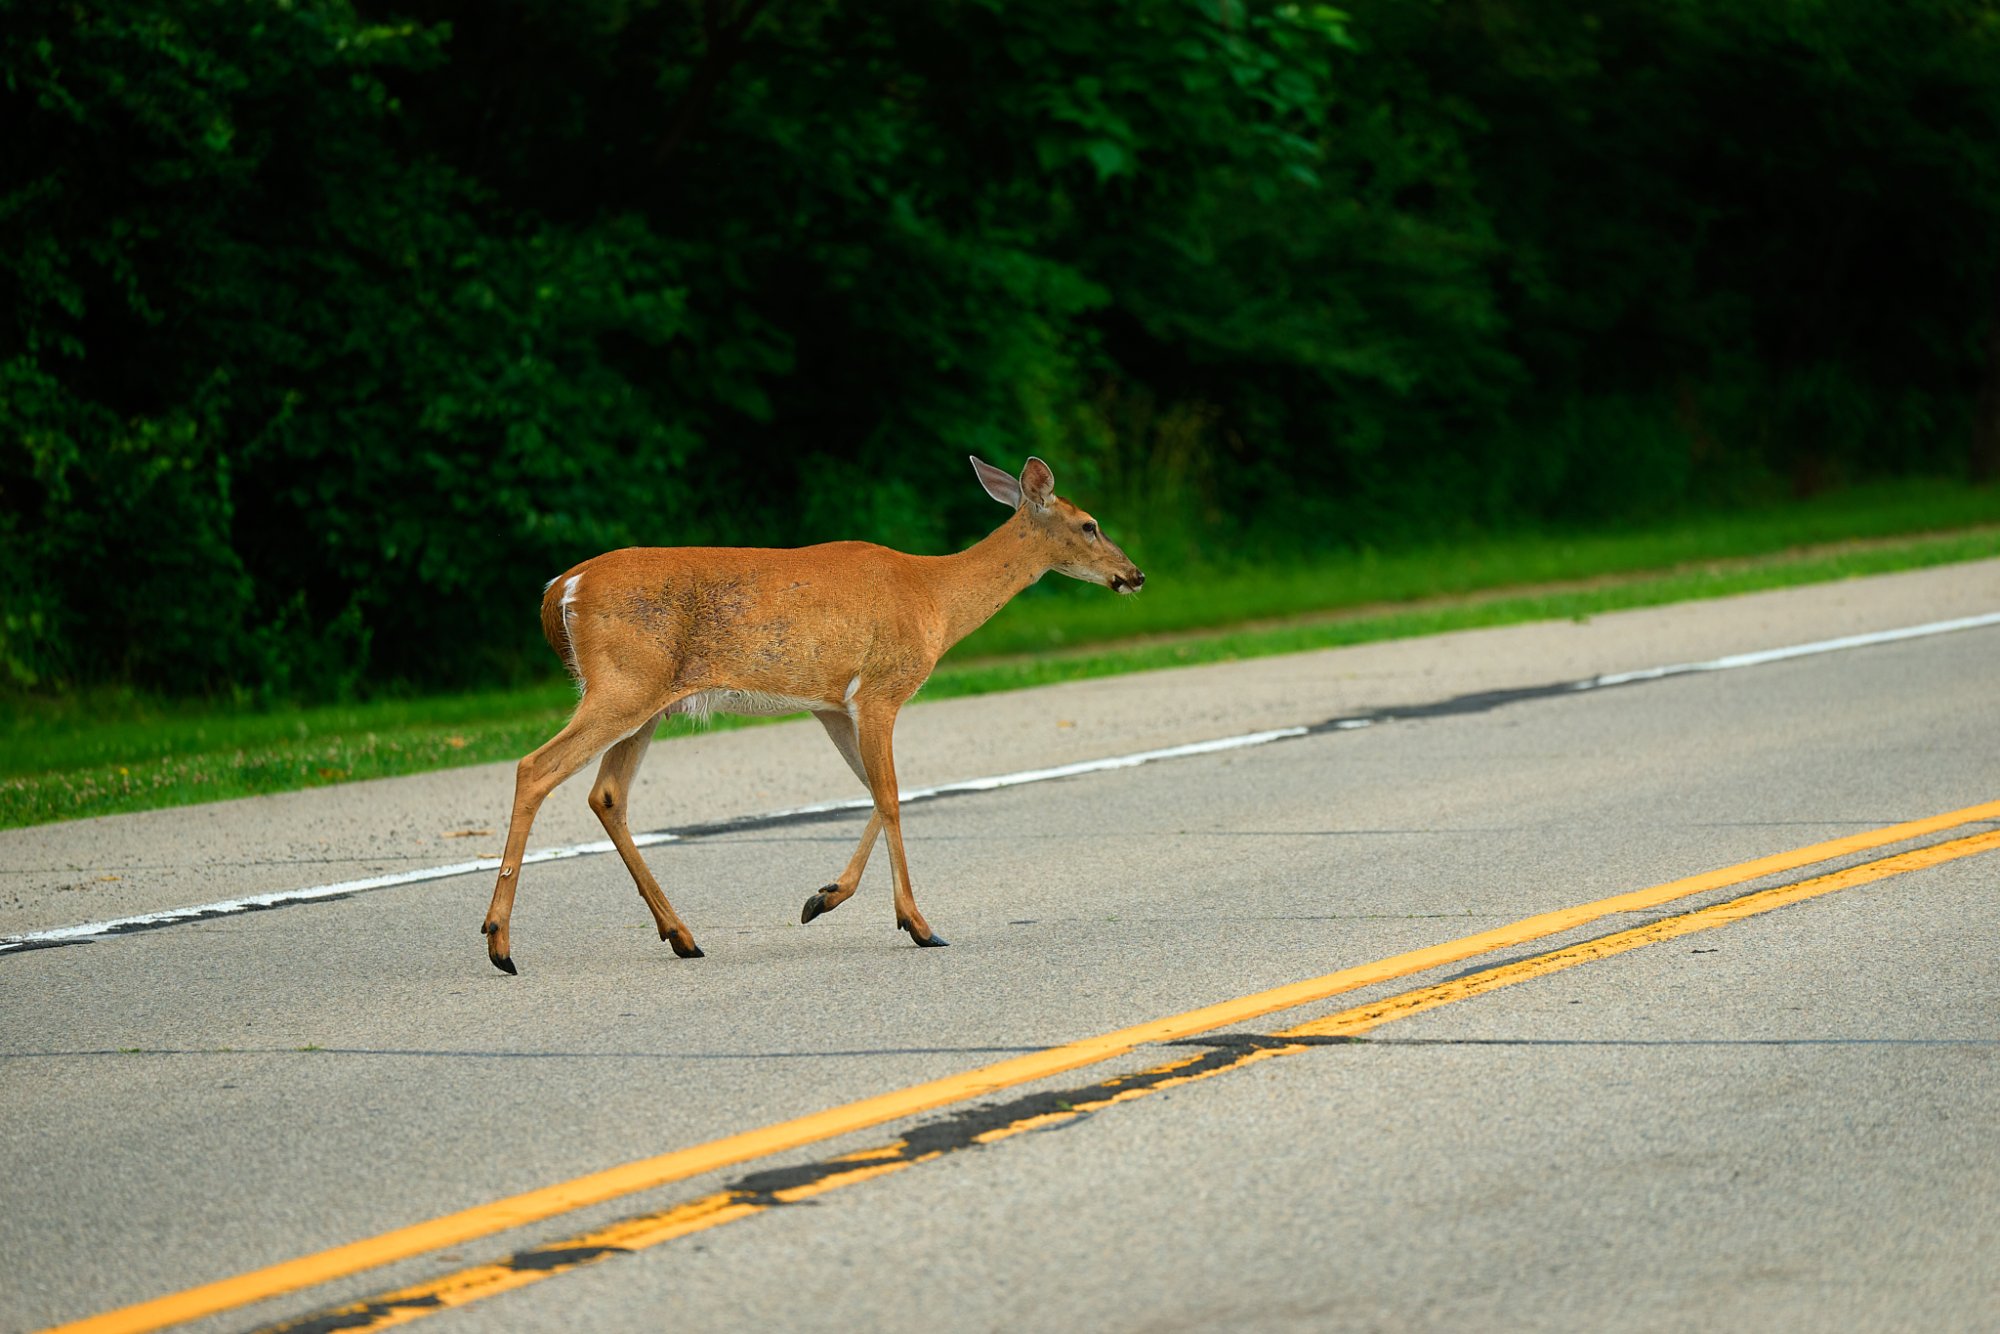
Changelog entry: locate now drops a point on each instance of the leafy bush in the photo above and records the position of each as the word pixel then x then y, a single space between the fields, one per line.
pixel 338 329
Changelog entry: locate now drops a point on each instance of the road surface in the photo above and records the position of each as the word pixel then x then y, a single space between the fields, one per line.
pixel 1667 1004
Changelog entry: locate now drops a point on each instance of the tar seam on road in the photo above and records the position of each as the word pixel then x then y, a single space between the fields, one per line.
pixel 1479 702
pixel 680 1164
pixel 757 1192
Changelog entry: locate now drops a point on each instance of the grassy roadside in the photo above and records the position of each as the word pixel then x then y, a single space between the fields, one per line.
pixel 101 755
pixel 1570 600
pixel 1059 613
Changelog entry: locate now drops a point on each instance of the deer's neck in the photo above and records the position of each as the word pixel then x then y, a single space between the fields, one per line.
pixel 984 577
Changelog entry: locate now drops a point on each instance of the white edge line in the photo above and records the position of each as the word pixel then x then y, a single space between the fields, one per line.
pixel 1792 651
pixel 223 907
pixel 248 902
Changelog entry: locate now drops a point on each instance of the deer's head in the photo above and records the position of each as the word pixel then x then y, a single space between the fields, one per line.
pixel 1068 540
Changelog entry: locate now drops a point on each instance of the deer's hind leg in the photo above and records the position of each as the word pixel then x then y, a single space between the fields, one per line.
pixel 609 799
pixel 875 730
pixel 840 730
pixel 598 724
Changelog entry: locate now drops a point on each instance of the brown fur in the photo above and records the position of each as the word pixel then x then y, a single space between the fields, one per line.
pixel 650 627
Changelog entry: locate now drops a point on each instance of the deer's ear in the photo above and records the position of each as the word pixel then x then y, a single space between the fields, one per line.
pixel 998 484
pixel 1038 483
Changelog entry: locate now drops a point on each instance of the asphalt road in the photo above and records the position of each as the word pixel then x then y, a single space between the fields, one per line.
pixel 1785 1122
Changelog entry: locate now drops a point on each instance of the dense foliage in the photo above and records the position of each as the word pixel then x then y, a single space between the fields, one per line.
pixel 336 328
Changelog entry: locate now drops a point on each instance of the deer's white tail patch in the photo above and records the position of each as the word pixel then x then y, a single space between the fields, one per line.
pixel 569 632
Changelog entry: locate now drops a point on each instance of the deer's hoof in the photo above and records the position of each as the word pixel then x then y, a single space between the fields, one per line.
pixel 496 948
pixel 930 941
pixel 687 951
pixel 815 905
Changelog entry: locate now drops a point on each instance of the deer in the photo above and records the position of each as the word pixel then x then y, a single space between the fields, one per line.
pixel 845 631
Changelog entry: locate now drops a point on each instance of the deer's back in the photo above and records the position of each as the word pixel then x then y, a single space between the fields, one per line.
pixel 802 626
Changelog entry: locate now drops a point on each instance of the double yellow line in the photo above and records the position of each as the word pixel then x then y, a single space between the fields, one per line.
pixel 596 1188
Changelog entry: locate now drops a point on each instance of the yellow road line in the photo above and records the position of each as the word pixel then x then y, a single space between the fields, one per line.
pixel 643 1231
pixel 1350 1023
pixel 597 1187
pixel 622 1237
pixel 640 1233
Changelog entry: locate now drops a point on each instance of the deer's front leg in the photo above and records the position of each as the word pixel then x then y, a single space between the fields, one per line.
pixel 840 730
pixel 876 725
pixel 828 897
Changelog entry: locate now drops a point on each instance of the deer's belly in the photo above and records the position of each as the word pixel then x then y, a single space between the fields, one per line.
pixel 704 702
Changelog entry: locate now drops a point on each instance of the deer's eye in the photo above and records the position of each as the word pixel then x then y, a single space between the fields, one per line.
pixel 1089 528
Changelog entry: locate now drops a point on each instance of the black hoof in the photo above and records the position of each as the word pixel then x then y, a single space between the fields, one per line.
pixel 505 965
pixel 687 951
pixel 932 941
pixel 815 905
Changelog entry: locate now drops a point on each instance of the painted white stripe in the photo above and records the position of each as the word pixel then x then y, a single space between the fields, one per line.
pixel 224 907
pixel 910 794
pixel 1758 659
pixel 250 902
pixel 1044 775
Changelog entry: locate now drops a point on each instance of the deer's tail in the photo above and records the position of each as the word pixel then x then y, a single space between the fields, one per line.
pixel 557 599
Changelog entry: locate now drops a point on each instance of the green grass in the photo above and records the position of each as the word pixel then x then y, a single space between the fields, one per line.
pixel 103 752
pixel 1467 613
pixel 1059 613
